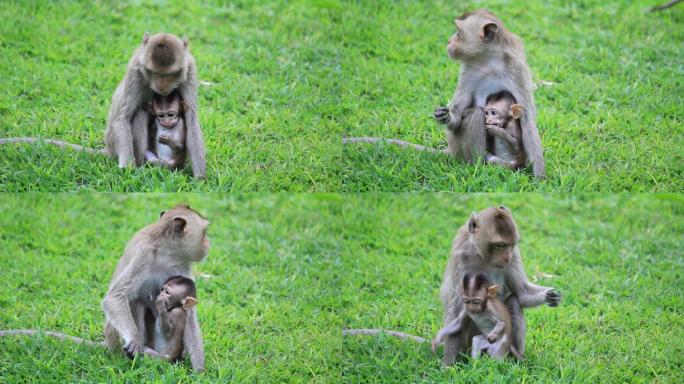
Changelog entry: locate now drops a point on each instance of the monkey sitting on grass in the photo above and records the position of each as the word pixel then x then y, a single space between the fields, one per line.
pixel 489 315
pixel 178 294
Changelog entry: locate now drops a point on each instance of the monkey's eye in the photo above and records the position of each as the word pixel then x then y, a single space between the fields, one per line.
pixel 160 115
pixel 476 302
pixel 501 245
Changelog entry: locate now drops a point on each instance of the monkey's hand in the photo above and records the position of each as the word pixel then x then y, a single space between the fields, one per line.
pixel 442 115
pixel 553 298
pixel 492 336
pixel 132 348
pixel 493 130
pixel 164 139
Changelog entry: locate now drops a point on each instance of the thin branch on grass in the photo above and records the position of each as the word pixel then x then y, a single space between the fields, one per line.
pixel 374 332
pixel 61 336
pixel 666 5
pixel 401 143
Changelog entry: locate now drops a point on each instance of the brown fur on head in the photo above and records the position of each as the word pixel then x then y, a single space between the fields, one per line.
pixel 494 234
pixel 166 109
pixel 500 108
pixel 186 229
pixel 165 61
pixel 477 32
pixel 476 290
pixel 179 291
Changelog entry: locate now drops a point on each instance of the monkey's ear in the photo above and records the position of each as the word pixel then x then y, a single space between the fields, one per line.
pixel 516 111
pixel 185 41
pixel 472 223
pixel 189 302
pixel 161 214
pixel 489 32
pixel 491 291
pixel 179 224
pixel 146 38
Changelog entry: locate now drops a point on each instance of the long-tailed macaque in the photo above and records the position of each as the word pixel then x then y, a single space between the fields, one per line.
pixel 493 60
pixel 502 125
pixel 489 315
pixel 488 243
pixel 162 64
pixel 178 294
pixel 167 132
pixel 157 252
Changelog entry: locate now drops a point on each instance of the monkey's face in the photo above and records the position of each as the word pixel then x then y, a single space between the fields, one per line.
pixel 165 82
pixel 497 113
pixel 472 39
pixel 475 304
pixel 165 65
pixel 188 231
pixel 172 295
pixel 168 117
pixel 495 235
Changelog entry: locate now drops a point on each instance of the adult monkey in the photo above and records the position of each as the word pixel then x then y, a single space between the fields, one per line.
pixel 161 65
pixel 158 251
pixel 488 243
pixel 493 60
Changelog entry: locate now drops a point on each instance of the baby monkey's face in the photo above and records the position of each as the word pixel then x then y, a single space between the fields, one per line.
pixel 172 295
pixel 498 113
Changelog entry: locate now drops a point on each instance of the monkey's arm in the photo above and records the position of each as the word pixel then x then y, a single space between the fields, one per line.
pixel 496 331
pixel 175 143
pixel 164 318
pixel 174 348
pixel 529 295
pixel 501 133
pixel 449 330
pixel 193 138
pixel 192 340
pixel 125 103
pixel 117 310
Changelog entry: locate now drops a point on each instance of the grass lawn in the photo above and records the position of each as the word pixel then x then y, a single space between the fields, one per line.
pixel 617 260
pixel 267 115
pixel 611 120
pixel 267 290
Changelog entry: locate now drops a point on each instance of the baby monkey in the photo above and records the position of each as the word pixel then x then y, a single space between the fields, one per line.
pixel 488 313
pixel 177 295
pixel 502 125
pixel 167 135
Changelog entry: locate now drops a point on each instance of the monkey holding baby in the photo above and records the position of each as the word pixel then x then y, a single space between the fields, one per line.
pixel 488 244
pixel 162 65
pixel 150 304
pixel 489 315
pixel 166 144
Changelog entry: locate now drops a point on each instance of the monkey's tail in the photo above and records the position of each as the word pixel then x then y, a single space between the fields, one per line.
pixel 61 336
pixel 59 143
pixel 516 354
pixel 401 143
pixel 373 332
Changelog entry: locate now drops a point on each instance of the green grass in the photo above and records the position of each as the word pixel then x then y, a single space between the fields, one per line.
pixel 616 259
pixel 267 116
pixel 611 121
pixel 267 290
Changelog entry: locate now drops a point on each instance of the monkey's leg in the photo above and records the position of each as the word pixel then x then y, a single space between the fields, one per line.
pixel 518 325
pixel 480 344
pixel 474 139
pixel 492 159
pixel 139 129
pixel 118 313
pixel 500 348
pixel 112 337
pixel 192 340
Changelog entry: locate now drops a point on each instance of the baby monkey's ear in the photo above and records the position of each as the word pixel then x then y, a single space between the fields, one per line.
pixel 189 302
pixel 491 291
pixel 516 111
